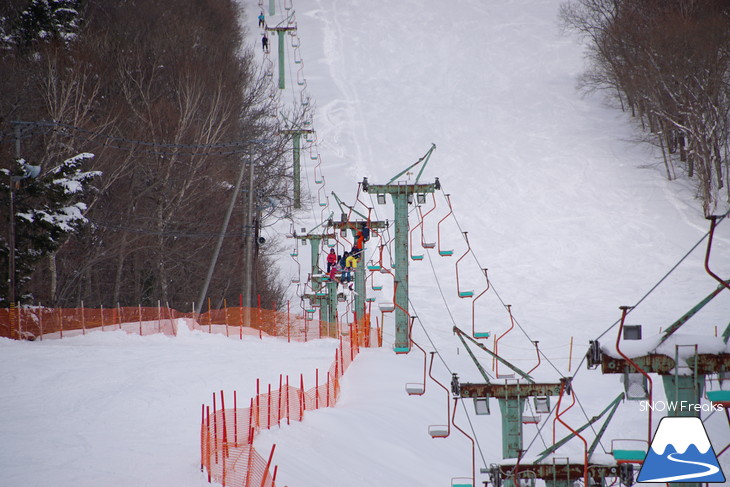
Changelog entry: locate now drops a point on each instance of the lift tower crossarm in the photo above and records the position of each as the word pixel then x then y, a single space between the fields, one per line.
pixel 463 335
pixel 423 159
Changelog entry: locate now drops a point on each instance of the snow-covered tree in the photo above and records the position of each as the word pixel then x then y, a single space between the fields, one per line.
pixel 48 209
pixel 46 20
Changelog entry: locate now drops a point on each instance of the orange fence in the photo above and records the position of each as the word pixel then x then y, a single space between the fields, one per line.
pixel 227 434
pixel 31 323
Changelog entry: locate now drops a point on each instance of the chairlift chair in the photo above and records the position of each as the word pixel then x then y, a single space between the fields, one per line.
pixel 443 252
pixel 719 397
pixel 415 388
pixel 372 266
pixel 410 242
pixel 438 430
pixel 462 482
pixel 424 244
pixel 626 451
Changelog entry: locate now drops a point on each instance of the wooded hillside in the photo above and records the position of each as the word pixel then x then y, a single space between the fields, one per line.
pixel 171 105
pixel 668 62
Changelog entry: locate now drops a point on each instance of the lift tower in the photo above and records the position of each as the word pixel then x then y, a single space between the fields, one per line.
pixel 326 300
pixel 296 135
pixel 282 30
pixel 402 193
pixel 354 226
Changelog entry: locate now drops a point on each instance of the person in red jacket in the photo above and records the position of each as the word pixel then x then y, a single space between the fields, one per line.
pixel 331 259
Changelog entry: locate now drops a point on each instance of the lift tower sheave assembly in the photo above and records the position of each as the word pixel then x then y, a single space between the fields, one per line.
pixel 402 193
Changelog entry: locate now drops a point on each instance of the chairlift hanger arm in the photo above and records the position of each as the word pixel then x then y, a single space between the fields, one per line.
pixel 612 406
pixel 461 334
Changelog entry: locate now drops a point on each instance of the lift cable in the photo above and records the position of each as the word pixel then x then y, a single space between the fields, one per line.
pixel 114 142
pixel 496 293
pixel 646 295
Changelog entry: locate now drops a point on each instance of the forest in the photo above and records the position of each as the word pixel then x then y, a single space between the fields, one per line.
pixel 668 63
pixel 140 121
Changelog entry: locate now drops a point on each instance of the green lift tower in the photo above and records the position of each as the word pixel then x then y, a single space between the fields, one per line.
pixel 402 193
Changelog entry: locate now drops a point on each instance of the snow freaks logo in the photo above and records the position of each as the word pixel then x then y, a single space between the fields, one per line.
pixel 681 452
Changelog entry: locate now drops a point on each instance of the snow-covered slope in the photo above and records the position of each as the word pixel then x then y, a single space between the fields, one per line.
pixel 570 215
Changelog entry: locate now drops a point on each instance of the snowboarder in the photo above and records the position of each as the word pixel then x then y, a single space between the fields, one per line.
pixel 350 265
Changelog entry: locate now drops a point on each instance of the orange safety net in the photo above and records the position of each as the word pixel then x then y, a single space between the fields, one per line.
pixel 31 323
pixel 227 435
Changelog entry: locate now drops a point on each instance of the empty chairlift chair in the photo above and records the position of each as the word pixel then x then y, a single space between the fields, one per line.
pixel 443 252
pixel 629 450
pixel 410 242
pixel 424 243
pixel 463 293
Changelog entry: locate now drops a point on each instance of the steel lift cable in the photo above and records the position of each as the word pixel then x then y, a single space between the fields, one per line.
pixel 646 295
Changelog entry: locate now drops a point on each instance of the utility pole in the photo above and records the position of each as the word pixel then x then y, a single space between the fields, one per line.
pixel 219 243
pixel 247 288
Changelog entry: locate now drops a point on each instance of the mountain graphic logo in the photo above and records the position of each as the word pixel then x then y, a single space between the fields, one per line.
pixel 681 452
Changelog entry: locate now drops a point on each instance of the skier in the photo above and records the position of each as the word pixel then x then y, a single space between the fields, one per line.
pixel 262 20
pixel 265 43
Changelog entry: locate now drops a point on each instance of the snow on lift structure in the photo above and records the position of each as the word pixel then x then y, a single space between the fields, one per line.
pixel 424 244
pixel 465 293
pixel 474 333
pixel 443 252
